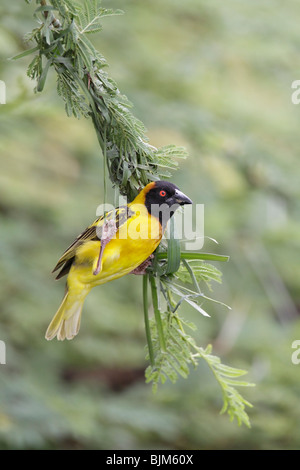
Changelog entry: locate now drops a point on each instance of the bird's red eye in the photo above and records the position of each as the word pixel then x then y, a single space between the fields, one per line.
pixel 162 193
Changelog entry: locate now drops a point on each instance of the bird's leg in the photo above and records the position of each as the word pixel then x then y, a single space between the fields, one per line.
pixel 141 269
pixel 108 231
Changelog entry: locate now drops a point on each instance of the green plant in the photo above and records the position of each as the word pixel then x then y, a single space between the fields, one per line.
pixel 62 43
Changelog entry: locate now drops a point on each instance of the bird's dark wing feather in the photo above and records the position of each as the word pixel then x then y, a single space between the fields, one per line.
pixel 91 233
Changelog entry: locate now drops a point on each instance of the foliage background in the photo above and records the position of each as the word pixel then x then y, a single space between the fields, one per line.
pixel 212 76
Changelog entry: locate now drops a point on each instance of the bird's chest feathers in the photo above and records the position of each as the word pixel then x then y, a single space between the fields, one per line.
pixel 139 236
pixel 141 227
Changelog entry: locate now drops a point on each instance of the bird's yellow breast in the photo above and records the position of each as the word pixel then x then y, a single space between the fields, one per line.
pixel 132 244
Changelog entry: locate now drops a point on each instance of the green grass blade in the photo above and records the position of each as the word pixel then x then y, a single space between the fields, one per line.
pixel 157 316
pixel 25 53
pixel 146 319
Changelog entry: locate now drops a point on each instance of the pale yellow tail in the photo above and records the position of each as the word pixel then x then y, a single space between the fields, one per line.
pixel 66 322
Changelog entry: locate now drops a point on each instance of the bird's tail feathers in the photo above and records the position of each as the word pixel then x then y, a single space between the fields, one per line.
pixel 66 322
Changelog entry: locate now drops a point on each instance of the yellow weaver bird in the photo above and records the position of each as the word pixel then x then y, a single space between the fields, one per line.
pixel 117 243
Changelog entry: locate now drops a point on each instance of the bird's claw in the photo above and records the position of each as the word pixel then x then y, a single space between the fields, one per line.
pixel 141 269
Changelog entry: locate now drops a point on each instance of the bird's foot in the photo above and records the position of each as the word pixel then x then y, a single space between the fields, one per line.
pixel 141 269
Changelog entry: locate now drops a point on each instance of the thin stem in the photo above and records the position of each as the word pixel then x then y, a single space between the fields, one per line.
pixel 157 314
pixel 43 4
pixel 146 319
pixel 104 164
pixel 56 23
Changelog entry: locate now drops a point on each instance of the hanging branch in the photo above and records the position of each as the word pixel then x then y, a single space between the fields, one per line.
pixel 62 43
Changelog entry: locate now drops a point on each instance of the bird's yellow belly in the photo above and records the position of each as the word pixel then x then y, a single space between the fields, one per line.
pixel 122 254
pixel 132 254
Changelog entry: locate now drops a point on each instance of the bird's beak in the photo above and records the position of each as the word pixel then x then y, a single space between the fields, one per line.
pixel 181 198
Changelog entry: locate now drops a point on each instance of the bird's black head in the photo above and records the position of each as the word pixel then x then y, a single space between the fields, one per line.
pixel 163 198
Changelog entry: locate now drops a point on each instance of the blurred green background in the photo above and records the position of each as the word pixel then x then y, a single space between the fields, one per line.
pixel 216 78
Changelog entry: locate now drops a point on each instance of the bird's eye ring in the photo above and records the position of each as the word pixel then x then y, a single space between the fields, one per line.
pixel 162 193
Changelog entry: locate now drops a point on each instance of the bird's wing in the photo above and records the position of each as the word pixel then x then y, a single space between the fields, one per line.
pixel 91 233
